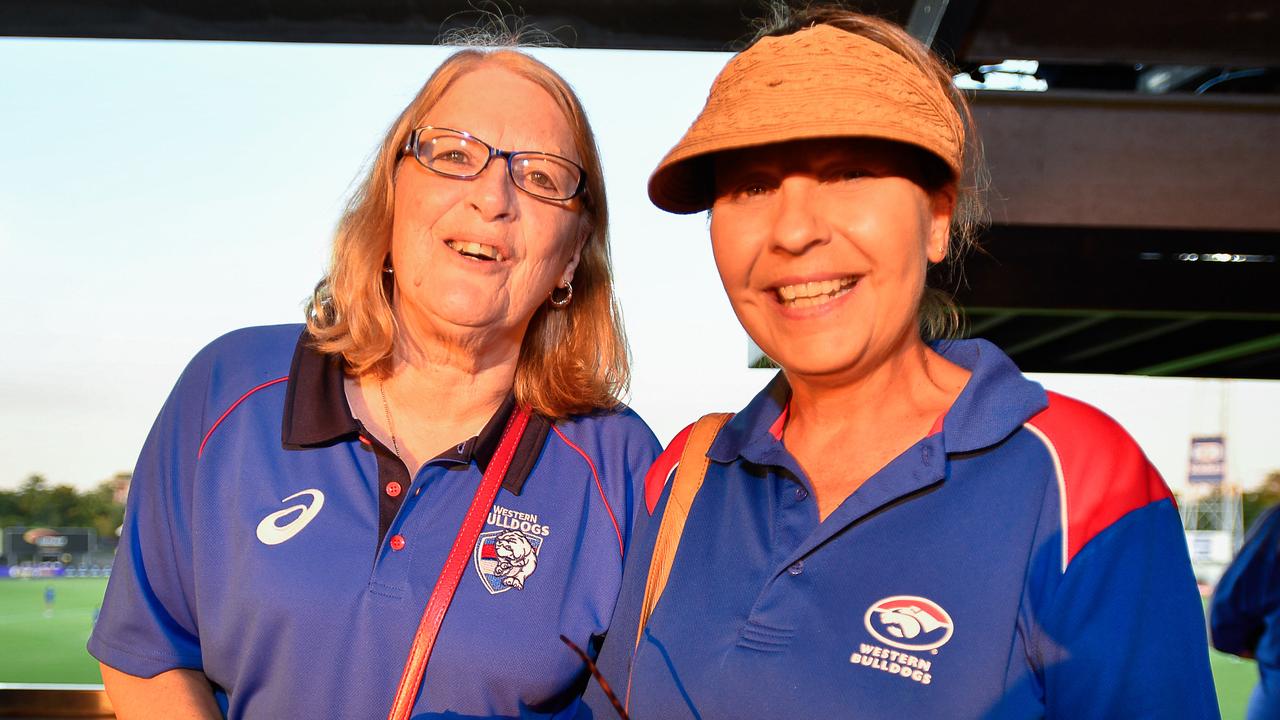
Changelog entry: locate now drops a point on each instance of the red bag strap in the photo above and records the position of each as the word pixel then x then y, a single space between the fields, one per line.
pixel 447 584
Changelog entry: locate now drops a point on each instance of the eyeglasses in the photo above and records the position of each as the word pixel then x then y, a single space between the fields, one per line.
pixel 595 672
pixel 457 154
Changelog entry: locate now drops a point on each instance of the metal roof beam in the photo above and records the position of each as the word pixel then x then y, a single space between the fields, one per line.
pixel 1057 333
pixel 1231 352
pixel 925 18
pixel 1133 339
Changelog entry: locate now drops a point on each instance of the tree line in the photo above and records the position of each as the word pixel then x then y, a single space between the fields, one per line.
pixel 36 503
pixel 1255 502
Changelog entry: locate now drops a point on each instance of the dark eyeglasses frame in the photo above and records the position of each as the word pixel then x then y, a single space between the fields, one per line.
pixel 411 148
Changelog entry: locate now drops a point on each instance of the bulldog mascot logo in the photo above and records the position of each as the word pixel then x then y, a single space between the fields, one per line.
pixel 909 622
pixel 506 558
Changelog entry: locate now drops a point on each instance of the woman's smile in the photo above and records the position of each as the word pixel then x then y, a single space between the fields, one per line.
pixel 475 250
pixel 801 295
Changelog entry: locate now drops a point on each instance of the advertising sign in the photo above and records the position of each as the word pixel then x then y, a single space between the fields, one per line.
pixel 1209 546
pixel 1208 460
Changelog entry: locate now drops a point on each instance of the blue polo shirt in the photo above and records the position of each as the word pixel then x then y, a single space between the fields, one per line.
pixel 1023 560
pixel 273 544
pixel 1246 611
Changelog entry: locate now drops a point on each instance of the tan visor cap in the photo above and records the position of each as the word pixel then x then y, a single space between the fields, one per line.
pixel 821 82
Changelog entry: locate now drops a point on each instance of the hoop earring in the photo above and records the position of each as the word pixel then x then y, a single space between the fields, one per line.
pixel 388 280
pixel 564 301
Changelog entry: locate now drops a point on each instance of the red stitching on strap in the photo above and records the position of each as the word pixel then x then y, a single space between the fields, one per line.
pixel 447 584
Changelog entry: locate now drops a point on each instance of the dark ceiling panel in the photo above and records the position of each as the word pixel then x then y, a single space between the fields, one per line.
pixel 1222 33
pixel 1127 270
pixel 648 24
pixel 1191 32
pixel 1113 159
pixel 1233 33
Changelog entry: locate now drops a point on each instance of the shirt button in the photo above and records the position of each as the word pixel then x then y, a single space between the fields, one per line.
pixel 796 568
pixel 801 493
pixel 393 489
pixel 397 542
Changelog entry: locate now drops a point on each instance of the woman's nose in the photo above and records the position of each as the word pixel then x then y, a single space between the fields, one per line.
pixel 798 224
pixel 492 193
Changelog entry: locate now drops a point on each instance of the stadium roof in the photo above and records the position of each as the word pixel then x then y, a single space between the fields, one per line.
pixel 1144 236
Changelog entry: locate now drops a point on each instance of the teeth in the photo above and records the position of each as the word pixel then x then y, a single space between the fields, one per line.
pixel 809 294
pixel 475 249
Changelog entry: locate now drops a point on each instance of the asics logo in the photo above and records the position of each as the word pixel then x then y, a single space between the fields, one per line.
pixel 271 534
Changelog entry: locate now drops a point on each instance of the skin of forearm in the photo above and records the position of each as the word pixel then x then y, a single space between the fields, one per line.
pixel 177 694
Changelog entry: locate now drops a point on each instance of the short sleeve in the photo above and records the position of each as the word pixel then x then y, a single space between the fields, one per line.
pixel 641 451
pixel 1124 634
pixel 617 654
pixel 148 620
pixel 1114 620
pixel 1249 591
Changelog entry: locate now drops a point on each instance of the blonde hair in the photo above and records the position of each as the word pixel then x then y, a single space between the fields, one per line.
pixel 939 316
pixel 572 360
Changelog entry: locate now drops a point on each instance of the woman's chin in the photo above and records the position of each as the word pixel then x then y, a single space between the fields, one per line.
pixel 820 360
pixel 458 313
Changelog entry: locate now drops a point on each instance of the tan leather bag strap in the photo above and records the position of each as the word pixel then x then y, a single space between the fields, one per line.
pixel 684 488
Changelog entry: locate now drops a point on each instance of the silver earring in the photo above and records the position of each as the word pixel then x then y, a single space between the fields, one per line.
pixel 568 295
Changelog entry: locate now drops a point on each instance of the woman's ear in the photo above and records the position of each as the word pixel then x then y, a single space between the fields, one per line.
pixel 584 234
pixel 942 205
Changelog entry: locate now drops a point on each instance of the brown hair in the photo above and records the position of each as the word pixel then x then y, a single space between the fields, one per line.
pixel 939 315
pixel 572 360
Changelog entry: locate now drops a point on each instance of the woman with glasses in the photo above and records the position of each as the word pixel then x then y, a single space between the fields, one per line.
pixel 401 506
pixel 896 526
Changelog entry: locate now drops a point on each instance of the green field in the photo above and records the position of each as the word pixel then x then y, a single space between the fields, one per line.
pixel 1235 679
pixel 40 649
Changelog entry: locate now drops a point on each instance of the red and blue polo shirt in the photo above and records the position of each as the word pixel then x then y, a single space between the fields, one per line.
pixel 274 545
pixel 1024 560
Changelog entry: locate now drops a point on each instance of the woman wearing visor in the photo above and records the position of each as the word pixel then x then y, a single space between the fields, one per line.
pixel 896 526
pixel 444 432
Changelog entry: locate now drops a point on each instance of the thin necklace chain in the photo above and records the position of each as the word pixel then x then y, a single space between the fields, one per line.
pixel 391 426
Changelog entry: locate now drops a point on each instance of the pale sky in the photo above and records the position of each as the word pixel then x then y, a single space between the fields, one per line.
pixel 156 194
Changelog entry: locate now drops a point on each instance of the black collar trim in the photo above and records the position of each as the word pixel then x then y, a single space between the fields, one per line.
pixel 316 414
pixel 527 452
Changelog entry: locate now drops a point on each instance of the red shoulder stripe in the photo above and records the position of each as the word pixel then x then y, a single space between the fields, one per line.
pixel 662 468
pixel 1102 473
pixel 599 488
pixel 234 405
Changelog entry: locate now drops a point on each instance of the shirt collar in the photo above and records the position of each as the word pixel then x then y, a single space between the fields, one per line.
pixel 995 402
pixel 316 414
pixel 748 433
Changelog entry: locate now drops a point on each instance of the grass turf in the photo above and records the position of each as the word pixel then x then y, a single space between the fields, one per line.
pixel 1234 679
pixel 40 649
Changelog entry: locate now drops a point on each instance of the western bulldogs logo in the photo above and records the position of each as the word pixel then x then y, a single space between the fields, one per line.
pixel 506 558
pixel 909 622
